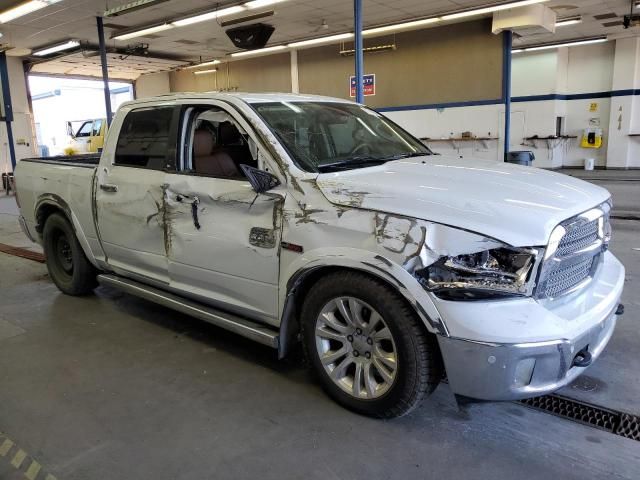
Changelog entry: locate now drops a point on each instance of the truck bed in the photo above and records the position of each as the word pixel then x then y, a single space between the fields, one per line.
pixel 88 159
pixel 66 182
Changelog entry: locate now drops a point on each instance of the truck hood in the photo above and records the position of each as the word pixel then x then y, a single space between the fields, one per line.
pixel 517 205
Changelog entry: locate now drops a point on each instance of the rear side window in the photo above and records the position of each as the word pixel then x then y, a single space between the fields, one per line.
pixel 143 140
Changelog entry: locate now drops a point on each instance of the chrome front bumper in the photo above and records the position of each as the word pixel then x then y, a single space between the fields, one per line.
pixel 503 371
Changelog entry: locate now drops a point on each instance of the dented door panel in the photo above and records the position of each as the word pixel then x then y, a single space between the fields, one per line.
pixel 131 220
pixel 223 243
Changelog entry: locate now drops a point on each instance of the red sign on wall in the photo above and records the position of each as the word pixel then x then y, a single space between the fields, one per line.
pixel 369 84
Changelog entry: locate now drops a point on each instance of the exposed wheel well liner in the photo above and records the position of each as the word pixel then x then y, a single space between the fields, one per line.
pixel 48 205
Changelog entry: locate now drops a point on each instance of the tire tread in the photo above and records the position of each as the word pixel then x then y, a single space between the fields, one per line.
pixel 426 375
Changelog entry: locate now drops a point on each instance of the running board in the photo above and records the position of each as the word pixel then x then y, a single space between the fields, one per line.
pixel 233 323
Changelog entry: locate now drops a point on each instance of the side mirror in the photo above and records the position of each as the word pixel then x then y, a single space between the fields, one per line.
pixel 70 130
pixel 260 180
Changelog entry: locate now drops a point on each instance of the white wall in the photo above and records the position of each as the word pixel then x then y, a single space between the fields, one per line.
pixel 624 150
pixel 534 73
pixel 590 68
pixel 575 70
pixel 152 84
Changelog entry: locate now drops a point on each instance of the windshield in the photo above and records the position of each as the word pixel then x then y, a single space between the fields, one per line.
pixel 323 136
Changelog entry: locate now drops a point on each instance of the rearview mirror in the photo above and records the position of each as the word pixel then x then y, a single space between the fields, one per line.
pixel 260 180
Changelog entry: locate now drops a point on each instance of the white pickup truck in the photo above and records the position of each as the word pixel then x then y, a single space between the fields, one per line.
pixel 290 218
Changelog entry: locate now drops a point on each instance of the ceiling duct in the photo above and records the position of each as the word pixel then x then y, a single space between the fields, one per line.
pixel 248 18
pixel 525 21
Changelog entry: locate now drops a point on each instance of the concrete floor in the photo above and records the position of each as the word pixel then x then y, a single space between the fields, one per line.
pixel 113 387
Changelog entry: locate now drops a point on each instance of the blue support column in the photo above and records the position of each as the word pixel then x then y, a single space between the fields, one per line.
pixel 507 43
pixel 105 70
pixel 359 57
pixel 7 107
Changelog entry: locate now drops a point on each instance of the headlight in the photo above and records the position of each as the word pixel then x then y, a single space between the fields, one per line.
pixel 491 273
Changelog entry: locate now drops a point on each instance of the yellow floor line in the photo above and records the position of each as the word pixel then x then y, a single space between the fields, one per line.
pixel 19 458
pixel 5 447
pixel 33 470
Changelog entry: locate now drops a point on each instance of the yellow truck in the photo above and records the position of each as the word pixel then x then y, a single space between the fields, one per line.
pixel 88 137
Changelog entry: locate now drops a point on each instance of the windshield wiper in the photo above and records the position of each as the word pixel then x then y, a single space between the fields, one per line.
pixel 366 160
pixel 352 162
pixel 406 155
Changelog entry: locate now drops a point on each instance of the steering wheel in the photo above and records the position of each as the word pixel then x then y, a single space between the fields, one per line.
pixel 360 149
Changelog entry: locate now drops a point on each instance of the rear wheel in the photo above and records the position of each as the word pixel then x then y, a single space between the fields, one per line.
pixel 370 352
pixel 66 262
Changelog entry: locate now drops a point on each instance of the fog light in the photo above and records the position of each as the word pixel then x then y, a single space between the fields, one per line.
pixel 524 372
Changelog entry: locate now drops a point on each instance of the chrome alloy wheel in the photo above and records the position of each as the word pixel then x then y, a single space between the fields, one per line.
pixel 356 348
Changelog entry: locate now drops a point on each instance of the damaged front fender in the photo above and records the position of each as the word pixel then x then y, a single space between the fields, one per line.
pixel 369 262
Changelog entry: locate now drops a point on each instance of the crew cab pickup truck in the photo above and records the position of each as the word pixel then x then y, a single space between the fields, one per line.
pixel 291 218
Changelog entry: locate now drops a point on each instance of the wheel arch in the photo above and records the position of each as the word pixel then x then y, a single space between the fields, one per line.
pixel 299 284
pixel 47 205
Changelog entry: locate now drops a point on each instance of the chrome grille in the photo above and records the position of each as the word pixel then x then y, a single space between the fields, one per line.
pixel 576 254
pixel 564 277
pixel 578 237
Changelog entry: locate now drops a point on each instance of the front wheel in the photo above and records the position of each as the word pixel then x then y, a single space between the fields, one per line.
pixel 370 352
pixel 67 264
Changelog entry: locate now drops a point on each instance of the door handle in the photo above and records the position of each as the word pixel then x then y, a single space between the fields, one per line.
pixel 109 187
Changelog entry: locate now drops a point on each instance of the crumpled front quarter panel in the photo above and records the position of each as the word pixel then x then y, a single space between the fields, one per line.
pixel 385 245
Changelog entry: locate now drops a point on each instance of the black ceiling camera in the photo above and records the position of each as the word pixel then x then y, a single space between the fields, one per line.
pixel 631 21
pixel 251 37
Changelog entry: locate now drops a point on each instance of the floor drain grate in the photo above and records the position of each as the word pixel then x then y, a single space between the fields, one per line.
pixel 22 252
pixel 620 423
pixel 629 426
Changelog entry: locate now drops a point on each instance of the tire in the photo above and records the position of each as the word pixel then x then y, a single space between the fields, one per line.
pixel 66 262
pixel 399 360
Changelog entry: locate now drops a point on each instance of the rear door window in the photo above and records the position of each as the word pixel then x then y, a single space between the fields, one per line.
pixel 145 139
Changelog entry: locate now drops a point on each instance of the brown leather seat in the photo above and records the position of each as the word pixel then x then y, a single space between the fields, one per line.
pixel 219 164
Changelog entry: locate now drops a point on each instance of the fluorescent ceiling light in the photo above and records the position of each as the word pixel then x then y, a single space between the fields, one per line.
pixel 558 45
pixel 203 17
pixel 490 9
pixel 131 7
pixel 143 32
pixel 56 48
pixel 400 26
pixel 204 64
pixel 202 72
pixel 317 41
pixel 24 9
pixel 260 3
pixel 563 22
pixel 259 51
